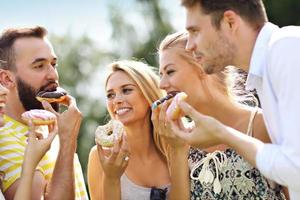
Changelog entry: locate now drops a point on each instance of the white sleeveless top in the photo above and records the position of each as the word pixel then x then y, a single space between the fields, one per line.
pixel 1 196
pixel 132 191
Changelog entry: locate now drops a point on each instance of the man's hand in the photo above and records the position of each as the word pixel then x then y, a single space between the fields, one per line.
pixel 206 132
pixel 68 122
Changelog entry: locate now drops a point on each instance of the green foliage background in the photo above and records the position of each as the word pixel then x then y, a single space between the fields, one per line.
pixel 81 61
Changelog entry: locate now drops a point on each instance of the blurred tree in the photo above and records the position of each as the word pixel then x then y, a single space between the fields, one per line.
pixel 283 13
pixel 78 61
pixel 138 34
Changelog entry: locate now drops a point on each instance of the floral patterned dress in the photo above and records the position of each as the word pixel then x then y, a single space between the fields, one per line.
pixel 227 176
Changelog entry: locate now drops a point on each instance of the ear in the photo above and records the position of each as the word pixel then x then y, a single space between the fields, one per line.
pixel 231 20
pixel 7 78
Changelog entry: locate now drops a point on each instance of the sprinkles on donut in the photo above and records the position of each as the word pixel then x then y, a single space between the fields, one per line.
pixel 107 134
pixel 39 117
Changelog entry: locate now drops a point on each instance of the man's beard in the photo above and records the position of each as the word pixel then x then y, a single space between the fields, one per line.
pixel 27 96
pixel 222 54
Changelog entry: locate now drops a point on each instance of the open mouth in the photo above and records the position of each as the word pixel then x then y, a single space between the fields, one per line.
pixel 170 95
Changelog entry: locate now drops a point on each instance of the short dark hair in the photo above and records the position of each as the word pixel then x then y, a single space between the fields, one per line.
pixel 7 40
pixel 253 11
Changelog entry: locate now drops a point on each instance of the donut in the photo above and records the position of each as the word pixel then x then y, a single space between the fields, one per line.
pixel 39 117
pixel 57 95
pixel 173 110
pixel 160 101
pixel 107 134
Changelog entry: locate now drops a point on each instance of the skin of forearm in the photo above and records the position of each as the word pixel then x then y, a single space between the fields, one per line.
pixel 62 184
pixel 246 146
pixel 24 189
pixel 180 184
pixel 111 189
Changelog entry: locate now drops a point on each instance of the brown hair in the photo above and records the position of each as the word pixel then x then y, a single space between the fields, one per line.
pixel 7 40
pixel 253 11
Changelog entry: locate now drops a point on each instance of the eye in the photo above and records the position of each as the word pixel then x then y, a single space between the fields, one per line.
pixel 54 65
pixel 38 66
pixel 170 71
pixel 127 90
pixel 110 96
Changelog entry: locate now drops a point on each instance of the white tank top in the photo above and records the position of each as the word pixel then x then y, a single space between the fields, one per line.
pixel 132 191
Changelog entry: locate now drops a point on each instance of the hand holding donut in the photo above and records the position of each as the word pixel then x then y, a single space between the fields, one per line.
pixel 115 160
pixel 38 146
pixel 161 124
pixel 68 122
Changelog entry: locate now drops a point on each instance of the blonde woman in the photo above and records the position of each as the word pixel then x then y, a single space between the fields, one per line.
pixel 136 167
pixel 217 172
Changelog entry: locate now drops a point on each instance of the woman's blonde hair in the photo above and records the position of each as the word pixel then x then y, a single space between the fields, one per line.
pixel 147 81
pixel 230 81
pixel 177 42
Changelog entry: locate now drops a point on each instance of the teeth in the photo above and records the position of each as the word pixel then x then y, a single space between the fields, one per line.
pixel 122 111
pixel 2 104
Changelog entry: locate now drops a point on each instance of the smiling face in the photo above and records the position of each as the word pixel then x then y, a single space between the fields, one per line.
pixel 125 101
pixel 3 94
pixel 211 46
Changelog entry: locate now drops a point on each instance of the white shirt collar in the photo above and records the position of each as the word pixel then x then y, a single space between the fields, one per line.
pixel 259 55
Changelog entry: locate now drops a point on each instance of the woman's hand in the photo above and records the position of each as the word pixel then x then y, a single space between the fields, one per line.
pixel 163 126
pixel 115 160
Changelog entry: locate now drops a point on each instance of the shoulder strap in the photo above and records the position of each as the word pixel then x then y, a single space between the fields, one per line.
pixel 251 120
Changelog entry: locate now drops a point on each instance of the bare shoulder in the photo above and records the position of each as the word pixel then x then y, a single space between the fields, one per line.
pixel 94 162
pixel 94 174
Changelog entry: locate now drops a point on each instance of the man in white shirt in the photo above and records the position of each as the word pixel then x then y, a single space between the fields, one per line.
pixel 236 32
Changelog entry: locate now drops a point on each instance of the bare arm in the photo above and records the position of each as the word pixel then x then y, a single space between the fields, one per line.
pixel 35 189
pixel 179 170
pixel 94 175
pixel 101 187
pixel 62 184
pixel 177 155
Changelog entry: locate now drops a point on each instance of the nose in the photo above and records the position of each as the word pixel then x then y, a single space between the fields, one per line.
pixel 190 45
pixel 119 98
pixel 163 84
pixel 52 73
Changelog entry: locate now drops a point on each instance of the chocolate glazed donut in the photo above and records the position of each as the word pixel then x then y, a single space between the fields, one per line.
pixel 57 95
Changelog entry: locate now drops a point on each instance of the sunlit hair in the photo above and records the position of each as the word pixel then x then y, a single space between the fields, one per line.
pixel 7 40
pixel 252 11
pixel 229 82
pixel 147 81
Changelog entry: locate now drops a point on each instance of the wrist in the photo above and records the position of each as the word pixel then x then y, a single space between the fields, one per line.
pixel 113 181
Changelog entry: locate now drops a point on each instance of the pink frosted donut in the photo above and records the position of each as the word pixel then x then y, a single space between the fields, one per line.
pixel 39 117
pixel 173 110
pixel 107 134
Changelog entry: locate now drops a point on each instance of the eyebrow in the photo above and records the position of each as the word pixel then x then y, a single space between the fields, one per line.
pixel 37 60
pixel 110 90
